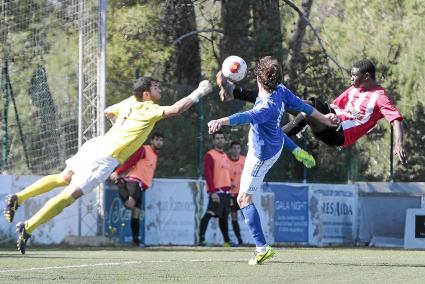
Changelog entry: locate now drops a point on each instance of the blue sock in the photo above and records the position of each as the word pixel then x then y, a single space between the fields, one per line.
pixel 252 219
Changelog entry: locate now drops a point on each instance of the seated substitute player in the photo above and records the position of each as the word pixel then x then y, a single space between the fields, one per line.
pixel 236 166
pixel 266 140
pixel 137 172
pixel 94 162
pixel 358 108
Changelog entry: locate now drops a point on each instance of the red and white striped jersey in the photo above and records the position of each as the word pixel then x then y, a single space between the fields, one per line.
pixel 359 111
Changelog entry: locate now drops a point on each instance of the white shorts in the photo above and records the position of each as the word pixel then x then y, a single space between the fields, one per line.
pixel 254 171
pixel 90 166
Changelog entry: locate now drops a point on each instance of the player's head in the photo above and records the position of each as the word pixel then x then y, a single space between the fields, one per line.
pixel 235 149
pixel 361 72
pixel 269 73
pixel 157 140
pixel 147 89
pixel 219 140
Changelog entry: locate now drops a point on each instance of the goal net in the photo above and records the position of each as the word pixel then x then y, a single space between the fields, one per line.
pixel 48 60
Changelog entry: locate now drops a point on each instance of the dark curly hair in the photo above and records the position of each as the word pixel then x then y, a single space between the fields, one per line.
pixel 269 73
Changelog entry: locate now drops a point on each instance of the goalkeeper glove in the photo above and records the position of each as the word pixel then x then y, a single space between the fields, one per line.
pixel 304 157
pixel 203 89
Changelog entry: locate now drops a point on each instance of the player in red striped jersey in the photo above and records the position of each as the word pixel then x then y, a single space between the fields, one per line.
pixel 358 108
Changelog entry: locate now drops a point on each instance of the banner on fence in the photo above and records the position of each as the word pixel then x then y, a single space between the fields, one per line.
pixel 332 214
pixel 291 213
pixel 54 231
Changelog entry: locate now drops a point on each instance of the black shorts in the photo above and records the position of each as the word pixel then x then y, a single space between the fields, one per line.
pixel 234 206
pixel 220 209
pixel 127 189
pixel 332 136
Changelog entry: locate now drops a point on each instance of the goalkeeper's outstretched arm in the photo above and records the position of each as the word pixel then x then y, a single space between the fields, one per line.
pixel 185 103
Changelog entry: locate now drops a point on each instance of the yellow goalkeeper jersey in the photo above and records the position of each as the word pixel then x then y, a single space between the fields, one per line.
pixel 134 122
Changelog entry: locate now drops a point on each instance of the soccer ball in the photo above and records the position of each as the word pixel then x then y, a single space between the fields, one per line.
pixel 234 68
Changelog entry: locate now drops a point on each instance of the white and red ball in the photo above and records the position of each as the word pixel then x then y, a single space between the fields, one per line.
pixel 234 68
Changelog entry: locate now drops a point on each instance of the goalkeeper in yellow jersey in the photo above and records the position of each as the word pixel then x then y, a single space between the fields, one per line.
pixel 134 118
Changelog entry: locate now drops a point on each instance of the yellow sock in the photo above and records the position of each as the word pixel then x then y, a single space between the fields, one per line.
pixel 52 208
pixel 41 186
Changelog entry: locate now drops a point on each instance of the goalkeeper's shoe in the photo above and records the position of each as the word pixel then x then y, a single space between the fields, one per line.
pixel 304 157
pixel 226 87
pixel 11 207
pixel 259 258
pixel 23 237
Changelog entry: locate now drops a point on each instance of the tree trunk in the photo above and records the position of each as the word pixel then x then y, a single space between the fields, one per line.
pixel 184 66
pixel 235 16
pixel 267 29
pixel 296 44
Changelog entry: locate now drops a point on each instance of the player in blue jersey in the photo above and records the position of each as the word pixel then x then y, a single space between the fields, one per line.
pixel 266 140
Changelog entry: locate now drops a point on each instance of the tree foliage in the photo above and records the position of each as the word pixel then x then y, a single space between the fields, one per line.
pixel 415 139
pixel 142 38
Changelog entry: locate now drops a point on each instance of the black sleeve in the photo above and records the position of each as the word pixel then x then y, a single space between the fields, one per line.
pixel 245 95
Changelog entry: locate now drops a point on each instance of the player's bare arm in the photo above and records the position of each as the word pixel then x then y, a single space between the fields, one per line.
pixel 215 125
pixel 185 103
pixel 398 138
pixel 329 119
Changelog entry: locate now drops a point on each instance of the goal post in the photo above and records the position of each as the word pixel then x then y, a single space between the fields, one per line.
pixel 52 60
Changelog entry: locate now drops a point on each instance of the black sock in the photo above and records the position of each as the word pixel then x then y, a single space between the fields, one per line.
pixel 224 228
pixel 203 226
pixel 295 126
pixel 237 231
pixel 135 227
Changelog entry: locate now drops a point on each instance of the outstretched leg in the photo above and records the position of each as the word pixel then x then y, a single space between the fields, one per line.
pixel 301 120
pixel 331 136
pixel 229 90
pixel 252 178
pixel 43 185
pixel 51 209
pixel 252 219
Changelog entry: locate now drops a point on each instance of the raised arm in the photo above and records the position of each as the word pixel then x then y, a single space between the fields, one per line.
pixel 185 103
pixel 329 119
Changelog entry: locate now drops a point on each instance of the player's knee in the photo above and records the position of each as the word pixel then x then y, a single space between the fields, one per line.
pixel 135 213
pixel 75 192
pixel 244 200
pixel 66 175
pixel 56 204
pixel 130 203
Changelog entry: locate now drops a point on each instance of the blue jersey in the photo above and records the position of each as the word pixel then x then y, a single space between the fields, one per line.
pixel 266 136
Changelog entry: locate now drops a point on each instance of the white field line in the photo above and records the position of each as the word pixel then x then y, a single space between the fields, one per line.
pixel 104 264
